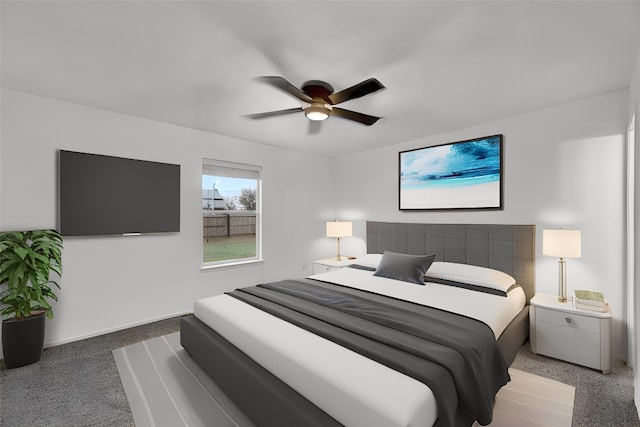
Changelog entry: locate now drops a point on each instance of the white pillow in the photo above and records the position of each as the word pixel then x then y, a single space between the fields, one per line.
pixel 368 260
pixel 471 274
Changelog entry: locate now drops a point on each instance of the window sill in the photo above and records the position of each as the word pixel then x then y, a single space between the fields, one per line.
pixel 211 267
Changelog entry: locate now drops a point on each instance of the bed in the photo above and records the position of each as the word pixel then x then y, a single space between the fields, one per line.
pixel 279 373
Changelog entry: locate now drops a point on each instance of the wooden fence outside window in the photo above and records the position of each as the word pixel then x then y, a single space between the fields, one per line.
pixel 231 223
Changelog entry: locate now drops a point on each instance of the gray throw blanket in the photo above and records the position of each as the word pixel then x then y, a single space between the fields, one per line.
pixel 455 356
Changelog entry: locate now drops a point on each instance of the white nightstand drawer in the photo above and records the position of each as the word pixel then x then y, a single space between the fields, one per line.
pixel 570 320
pixel 321 268
pixel 568 343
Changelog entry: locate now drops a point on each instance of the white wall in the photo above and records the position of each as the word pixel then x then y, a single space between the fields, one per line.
pixel 634 108
pixel 563 167
pixel 110 283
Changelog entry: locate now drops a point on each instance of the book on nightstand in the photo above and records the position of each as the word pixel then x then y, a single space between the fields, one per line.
pixel 590 300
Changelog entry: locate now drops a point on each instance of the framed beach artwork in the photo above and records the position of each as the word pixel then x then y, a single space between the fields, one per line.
pixel 458 175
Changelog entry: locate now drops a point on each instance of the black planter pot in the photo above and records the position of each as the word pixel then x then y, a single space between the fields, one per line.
pixel 23 340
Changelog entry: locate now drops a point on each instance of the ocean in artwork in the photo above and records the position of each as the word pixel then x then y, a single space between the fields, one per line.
pixel 469 171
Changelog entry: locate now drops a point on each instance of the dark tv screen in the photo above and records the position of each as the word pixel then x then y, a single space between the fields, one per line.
pixel 103 195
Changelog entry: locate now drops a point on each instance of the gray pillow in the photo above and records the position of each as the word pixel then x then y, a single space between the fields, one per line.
pixel 408 268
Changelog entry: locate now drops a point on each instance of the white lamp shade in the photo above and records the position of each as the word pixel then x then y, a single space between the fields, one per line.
pixel 339 229
pixel 561 243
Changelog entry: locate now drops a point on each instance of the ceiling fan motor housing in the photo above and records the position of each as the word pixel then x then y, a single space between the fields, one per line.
pixel 318 89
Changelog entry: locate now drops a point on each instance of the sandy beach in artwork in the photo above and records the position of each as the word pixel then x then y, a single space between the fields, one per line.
pixel 468 196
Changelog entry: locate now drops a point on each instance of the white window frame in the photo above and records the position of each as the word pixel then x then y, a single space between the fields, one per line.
pixel 242 170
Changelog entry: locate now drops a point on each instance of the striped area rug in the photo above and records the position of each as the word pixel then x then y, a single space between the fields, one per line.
pixel 165 387
pixel 532 401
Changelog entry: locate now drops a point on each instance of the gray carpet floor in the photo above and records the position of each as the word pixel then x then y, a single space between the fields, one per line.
pixel 77 384
pixel 74 385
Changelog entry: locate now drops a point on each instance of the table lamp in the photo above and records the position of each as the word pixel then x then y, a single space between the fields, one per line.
pixel 562 244
pixel 339 229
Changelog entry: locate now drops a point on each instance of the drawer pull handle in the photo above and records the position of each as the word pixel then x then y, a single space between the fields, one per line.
pixel 567 319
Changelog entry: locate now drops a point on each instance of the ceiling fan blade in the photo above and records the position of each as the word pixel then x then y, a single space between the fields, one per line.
pixel 283 84
pixel 365 119
pixel 356 91
pixel 274 113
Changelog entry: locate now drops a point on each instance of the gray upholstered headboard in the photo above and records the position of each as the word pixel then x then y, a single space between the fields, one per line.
pixel 509 248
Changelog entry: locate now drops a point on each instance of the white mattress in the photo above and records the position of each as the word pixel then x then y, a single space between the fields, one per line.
pixel 351 388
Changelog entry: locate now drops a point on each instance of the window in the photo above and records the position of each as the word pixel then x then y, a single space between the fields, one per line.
pixel 230 213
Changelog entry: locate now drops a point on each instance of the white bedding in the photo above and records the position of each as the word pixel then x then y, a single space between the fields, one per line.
pixel 353 389
pixel 496 311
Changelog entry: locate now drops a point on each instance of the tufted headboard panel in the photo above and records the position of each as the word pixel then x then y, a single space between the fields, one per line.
pixel 505 247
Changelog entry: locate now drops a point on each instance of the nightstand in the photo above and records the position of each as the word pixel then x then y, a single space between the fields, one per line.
pixel 328 264
pixel 559 330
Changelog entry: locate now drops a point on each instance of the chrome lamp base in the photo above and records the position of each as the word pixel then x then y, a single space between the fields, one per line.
pixel 562 280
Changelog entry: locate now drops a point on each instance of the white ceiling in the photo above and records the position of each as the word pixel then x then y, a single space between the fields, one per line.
pixel 445 64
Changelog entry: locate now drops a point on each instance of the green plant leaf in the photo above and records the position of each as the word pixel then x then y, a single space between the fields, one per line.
pixel 26 261
pixel 21 251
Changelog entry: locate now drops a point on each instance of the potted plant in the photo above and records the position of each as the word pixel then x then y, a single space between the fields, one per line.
pixel 26 260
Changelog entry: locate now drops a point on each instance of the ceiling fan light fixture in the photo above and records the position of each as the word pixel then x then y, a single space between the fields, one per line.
pixel 322 100
pixel 317 112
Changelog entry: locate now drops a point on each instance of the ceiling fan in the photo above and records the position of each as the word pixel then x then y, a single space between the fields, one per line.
pixel 321 99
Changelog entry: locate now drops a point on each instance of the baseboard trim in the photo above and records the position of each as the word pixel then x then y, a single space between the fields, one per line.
pixel 115 329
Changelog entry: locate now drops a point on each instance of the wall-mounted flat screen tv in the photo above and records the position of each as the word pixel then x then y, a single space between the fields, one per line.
pixel 104 195
pixel 458 175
